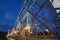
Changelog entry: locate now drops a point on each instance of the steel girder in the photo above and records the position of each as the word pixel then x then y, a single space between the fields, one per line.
pixel 33 14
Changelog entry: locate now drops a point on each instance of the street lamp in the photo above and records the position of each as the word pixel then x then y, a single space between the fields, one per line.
pixel 47 30
pixel 27 27
pixel 15 31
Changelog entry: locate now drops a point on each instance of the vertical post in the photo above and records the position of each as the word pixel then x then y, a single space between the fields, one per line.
pixel 27 19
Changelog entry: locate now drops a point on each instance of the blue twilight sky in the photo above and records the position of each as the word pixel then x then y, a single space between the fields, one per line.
pixel 9 10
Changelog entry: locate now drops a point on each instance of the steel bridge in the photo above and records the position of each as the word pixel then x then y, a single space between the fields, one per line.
pixel 40 15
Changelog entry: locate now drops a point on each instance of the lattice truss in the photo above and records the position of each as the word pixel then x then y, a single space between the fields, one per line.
pixel 40 15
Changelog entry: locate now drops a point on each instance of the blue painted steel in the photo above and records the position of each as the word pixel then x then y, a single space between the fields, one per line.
pixel 50 15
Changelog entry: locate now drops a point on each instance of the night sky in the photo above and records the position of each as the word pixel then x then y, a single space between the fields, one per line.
pixel 9 10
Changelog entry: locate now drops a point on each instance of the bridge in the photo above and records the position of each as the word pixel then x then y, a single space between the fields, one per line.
pixel 37 20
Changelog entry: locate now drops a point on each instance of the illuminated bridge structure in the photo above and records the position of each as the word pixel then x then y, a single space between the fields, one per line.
pixel 40 15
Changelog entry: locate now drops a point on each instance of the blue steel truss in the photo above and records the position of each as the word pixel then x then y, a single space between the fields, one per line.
pixel 41 13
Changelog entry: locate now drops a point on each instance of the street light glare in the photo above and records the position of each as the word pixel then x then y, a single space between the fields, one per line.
pixel 47 30
pixel 15 31
pixel 27 27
